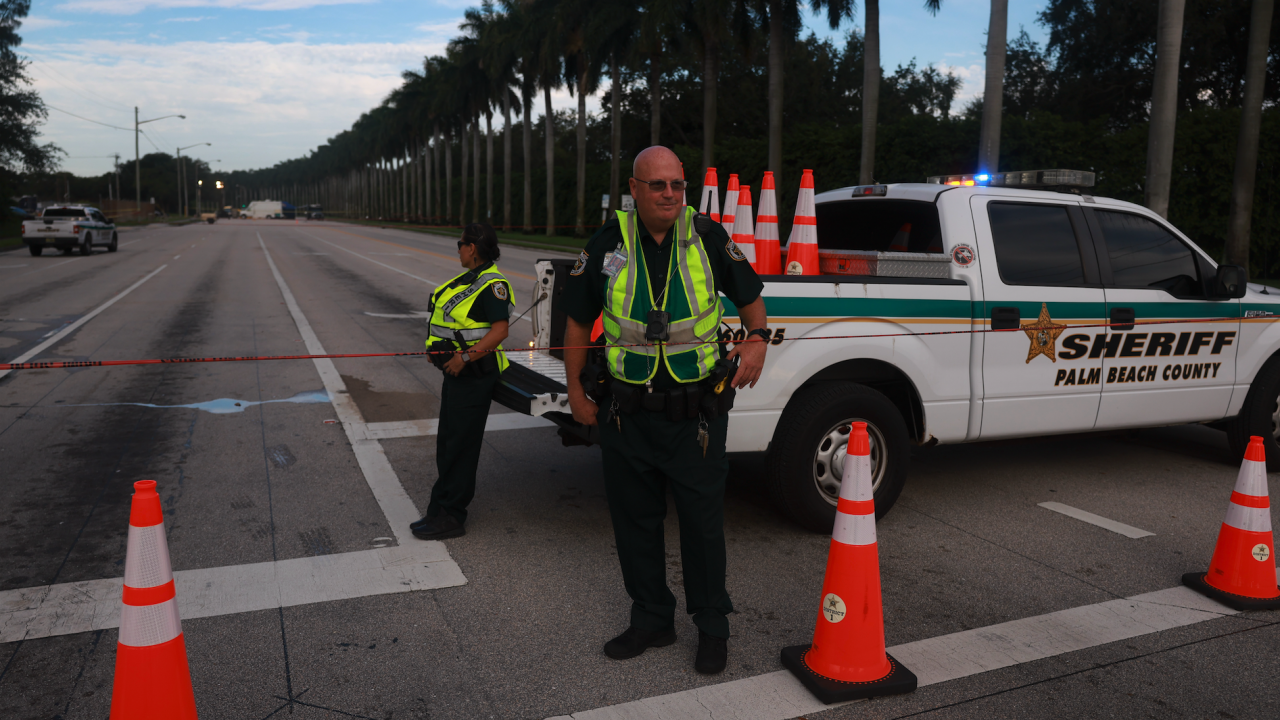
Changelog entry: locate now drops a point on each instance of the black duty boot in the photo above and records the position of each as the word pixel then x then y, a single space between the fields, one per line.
pixel 713 654
pixel 635 641
pixel 440 527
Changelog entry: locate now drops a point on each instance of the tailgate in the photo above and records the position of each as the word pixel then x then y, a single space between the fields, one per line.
pixel 534 384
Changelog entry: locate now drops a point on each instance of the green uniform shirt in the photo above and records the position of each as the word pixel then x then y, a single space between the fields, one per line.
pixel 489 307
pixel 585 292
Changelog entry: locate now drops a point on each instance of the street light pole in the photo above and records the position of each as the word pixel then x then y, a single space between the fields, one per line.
pixel 182 178
pixel 137 156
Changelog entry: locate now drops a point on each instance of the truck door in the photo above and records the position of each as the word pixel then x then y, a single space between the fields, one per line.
pixel 1037 375
pixel 1174 372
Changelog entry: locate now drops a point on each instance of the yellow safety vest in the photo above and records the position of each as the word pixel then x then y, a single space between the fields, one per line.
pixel 450 307
pixel 690 297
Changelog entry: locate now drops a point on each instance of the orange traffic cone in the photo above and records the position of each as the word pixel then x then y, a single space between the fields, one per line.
pixel 152 679
pixel 711 195
pixel 730 205
pixel 768 253
pixel 847 659
pixel 901 239
pixel 744 235
pixel 802 246
pixel 1242 573
pixel 684 194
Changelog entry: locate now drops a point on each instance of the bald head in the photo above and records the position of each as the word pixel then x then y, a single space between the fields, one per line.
pixel 657 208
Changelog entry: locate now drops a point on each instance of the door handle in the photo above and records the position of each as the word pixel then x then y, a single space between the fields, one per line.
pixel 1122 318
pixel 1005 318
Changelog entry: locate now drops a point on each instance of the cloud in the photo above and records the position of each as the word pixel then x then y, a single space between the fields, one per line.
pixel 132 7
pixel 973 79
pixel 258 102
pixel 188 19
pixel 42 23
pixel 444 30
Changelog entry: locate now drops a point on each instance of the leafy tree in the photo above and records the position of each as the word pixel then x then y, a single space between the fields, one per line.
pixel 21 109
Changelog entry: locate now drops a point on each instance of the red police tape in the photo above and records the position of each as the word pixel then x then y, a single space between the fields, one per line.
pixel 169 361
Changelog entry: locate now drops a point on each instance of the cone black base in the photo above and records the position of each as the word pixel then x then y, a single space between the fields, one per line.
pixel 899 680
pixel 1196 581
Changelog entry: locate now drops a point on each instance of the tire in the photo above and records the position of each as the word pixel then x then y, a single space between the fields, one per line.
pixel 86 245
pixel 115 242
pixel 1259 416
pixel 35 250
pixel 806 462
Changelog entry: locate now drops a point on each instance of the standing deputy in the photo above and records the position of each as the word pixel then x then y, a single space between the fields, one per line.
pixel 655 273
pixel 469 317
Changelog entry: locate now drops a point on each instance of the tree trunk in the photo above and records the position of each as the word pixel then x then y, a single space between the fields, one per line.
pixel 475 167
pixel 655 99
pixel 448 179
pixel 415 154
pixel 439 208
pixel 710 72
pixel 615 132
pixel 1242 187
pixel 550 123
pixel 993 92
pixel 527 92
pixel 870 92
pixel 777 58
pixel 580 222
pixel 506 158
pixel 1164 106
pixel 488 167
pixel 462 190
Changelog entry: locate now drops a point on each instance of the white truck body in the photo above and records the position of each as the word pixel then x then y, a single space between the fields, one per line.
pixel 67 228
pixel 259 209
pixel 1037 264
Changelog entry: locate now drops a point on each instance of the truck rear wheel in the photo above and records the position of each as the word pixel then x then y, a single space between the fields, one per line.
pixel 35 250
pixel 806 463
pixel 86 245
pixel 1260 416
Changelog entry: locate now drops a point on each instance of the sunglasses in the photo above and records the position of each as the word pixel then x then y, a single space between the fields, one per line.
pixel 464 242
pixel 661 185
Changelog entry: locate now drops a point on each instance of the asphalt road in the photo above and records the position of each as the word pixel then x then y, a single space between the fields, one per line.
pixel 966 547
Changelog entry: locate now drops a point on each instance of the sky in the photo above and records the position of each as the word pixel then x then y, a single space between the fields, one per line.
pixel 269 80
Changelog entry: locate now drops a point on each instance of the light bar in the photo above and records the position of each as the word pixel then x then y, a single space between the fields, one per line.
pixel 870 190
pixel 1029 179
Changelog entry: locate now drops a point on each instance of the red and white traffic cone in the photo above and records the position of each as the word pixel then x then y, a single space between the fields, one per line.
pixel 901 239
pixel 684 194
pixel 730 205
pixel 847 659
pixel 152 679
pixel 802 246
pixel 744 235
pixel 711 195
pixel 1242 573
pixel 768 252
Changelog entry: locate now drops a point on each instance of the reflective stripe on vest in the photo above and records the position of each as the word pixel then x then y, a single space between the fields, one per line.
pixel 692 301
pixel 452 305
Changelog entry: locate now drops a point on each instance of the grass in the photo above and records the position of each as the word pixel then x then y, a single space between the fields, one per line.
pixel 563 243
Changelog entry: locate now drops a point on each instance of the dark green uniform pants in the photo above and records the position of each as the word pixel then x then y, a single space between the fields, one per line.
pixel 464 408
pixel 649 454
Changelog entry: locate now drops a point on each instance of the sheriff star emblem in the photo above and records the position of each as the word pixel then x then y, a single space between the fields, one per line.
pixel 1043 334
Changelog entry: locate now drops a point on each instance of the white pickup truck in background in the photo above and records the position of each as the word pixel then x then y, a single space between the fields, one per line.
pixel 68 228
pixel 1052 312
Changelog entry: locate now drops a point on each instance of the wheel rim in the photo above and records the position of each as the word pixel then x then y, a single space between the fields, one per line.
pixel 828 460
pixel 1275 420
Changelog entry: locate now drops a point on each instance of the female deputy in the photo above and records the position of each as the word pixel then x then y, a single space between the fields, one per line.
pixel 468 324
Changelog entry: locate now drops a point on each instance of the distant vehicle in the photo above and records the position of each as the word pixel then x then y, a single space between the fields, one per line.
pixel 20 213
pixel 315 215
pixel 225 212
pixel 70 227
pixel 270 209
pixel 210 218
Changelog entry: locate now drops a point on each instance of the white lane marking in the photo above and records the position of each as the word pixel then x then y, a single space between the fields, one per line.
pixel 778 695
pixel 432 283
pixel 175 257
pixel 47 267
pixel 130 242
pixel 383 481
pixel 69 608
pixel 1128 531
pixel 421 428
pixel 76 325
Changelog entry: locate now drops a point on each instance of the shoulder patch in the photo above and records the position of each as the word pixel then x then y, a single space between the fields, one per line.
pixel 581 265
pixel 734 251
pixel 500 290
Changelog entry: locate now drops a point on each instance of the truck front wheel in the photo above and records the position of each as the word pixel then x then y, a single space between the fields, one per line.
pixel 806 463
pixel 115 243
pixel 1260 416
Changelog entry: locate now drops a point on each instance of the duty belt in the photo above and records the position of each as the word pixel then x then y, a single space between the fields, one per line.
pixel 684 402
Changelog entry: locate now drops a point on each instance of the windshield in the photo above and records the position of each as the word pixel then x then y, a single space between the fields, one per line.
pixel 64 212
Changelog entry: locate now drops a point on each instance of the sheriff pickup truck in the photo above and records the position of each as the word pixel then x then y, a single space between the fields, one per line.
pixel 1012 305
pixel 68 228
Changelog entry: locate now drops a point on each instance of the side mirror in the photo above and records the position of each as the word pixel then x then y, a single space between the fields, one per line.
pixel 1230 282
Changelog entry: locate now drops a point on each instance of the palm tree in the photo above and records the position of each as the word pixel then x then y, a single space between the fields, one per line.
pixel 993 91
pixel 1242 187
pixel 1164 105
pixel 713 24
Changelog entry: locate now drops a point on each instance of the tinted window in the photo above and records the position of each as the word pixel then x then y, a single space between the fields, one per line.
pixel 1143 254
pixel 63 212
pixel 1035 244
pixel 872 224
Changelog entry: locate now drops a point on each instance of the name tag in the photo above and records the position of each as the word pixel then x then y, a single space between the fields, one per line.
pixel 614 261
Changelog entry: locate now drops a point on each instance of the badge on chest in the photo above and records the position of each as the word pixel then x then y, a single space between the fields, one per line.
pixel 614 261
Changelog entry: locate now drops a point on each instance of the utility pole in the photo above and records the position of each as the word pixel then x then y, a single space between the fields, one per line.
pixel 137 156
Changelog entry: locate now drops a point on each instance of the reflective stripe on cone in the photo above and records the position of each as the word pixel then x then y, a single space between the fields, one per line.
pixel 768 251
pixel 744 235
pixel 730 205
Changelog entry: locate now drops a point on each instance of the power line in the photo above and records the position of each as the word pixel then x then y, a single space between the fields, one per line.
pixel 153 142
pixel 78 87
pixel 95 122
